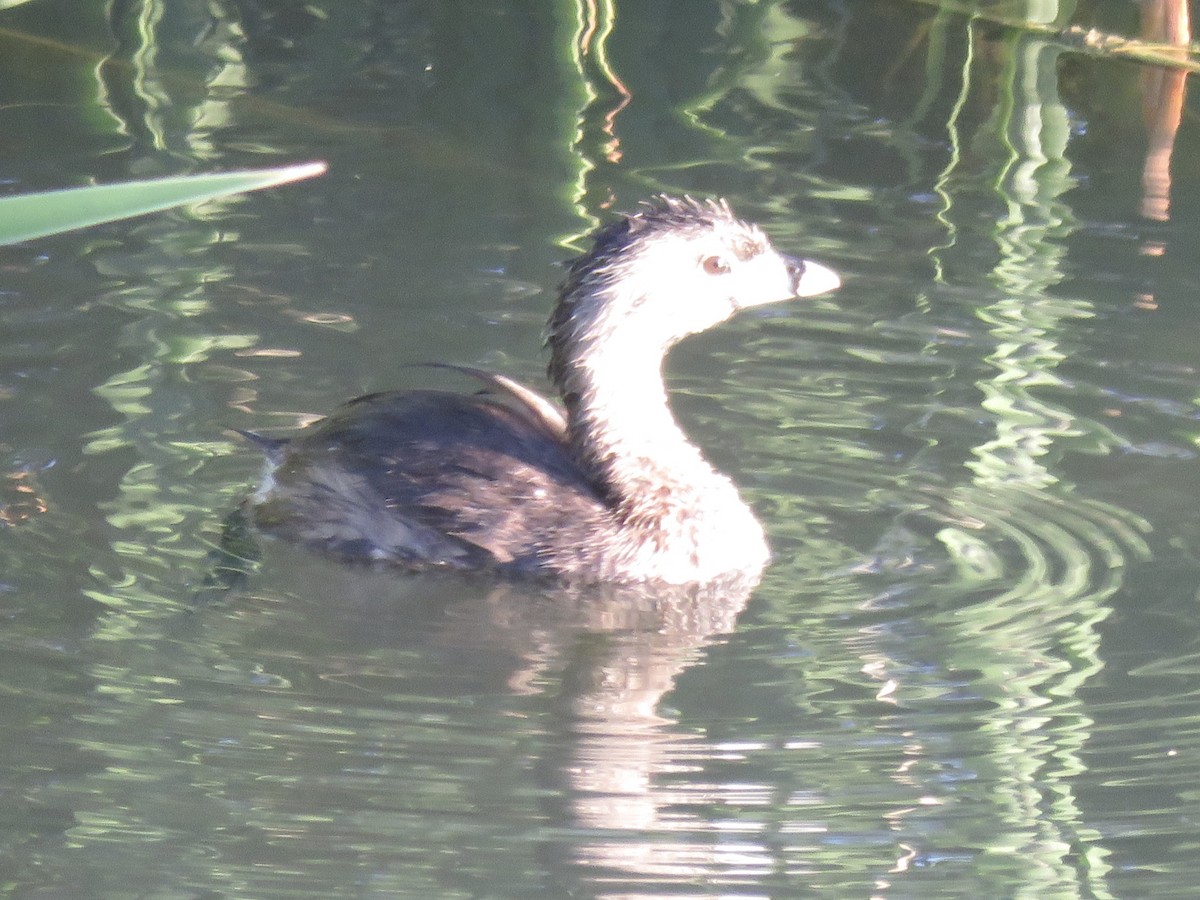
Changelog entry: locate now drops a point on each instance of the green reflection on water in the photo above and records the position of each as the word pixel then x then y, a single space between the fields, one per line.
pixel 297 741
pixel 1073 551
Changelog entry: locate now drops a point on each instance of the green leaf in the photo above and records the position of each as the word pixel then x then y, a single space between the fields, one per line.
pixel 28 216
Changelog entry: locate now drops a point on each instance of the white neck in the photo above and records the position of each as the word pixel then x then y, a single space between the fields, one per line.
pixel 681 518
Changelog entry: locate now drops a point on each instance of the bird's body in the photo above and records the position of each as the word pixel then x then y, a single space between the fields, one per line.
pixel 609 489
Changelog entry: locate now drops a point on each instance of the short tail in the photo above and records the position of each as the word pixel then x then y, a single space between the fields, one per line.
pixel 272 448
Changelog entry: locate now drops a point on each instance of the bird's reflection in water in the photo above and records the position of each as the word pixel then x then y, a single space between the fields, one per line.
pixel 588 666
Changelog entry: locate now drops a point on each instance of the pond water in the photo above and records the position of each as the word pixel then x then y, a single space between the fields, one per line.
pixel 971 669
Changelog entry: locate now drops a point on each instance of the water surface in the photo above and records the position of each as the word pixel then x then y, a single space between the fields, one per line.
pixel 969 671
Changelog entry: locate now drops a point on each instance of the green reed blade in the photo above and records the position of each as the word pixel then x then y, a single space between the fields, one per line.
pixel 28 216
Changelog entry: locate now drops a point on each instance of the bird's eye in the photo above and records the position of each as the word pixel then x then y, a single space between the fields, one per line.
pixel 715 265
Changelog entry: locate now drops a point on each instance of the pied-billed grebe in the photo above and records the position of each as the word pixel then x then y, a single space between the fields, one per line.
pixel 610 490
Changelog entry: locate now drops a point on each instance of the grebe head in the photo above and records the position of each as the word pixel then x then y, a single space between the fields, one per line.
pixel 676 267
